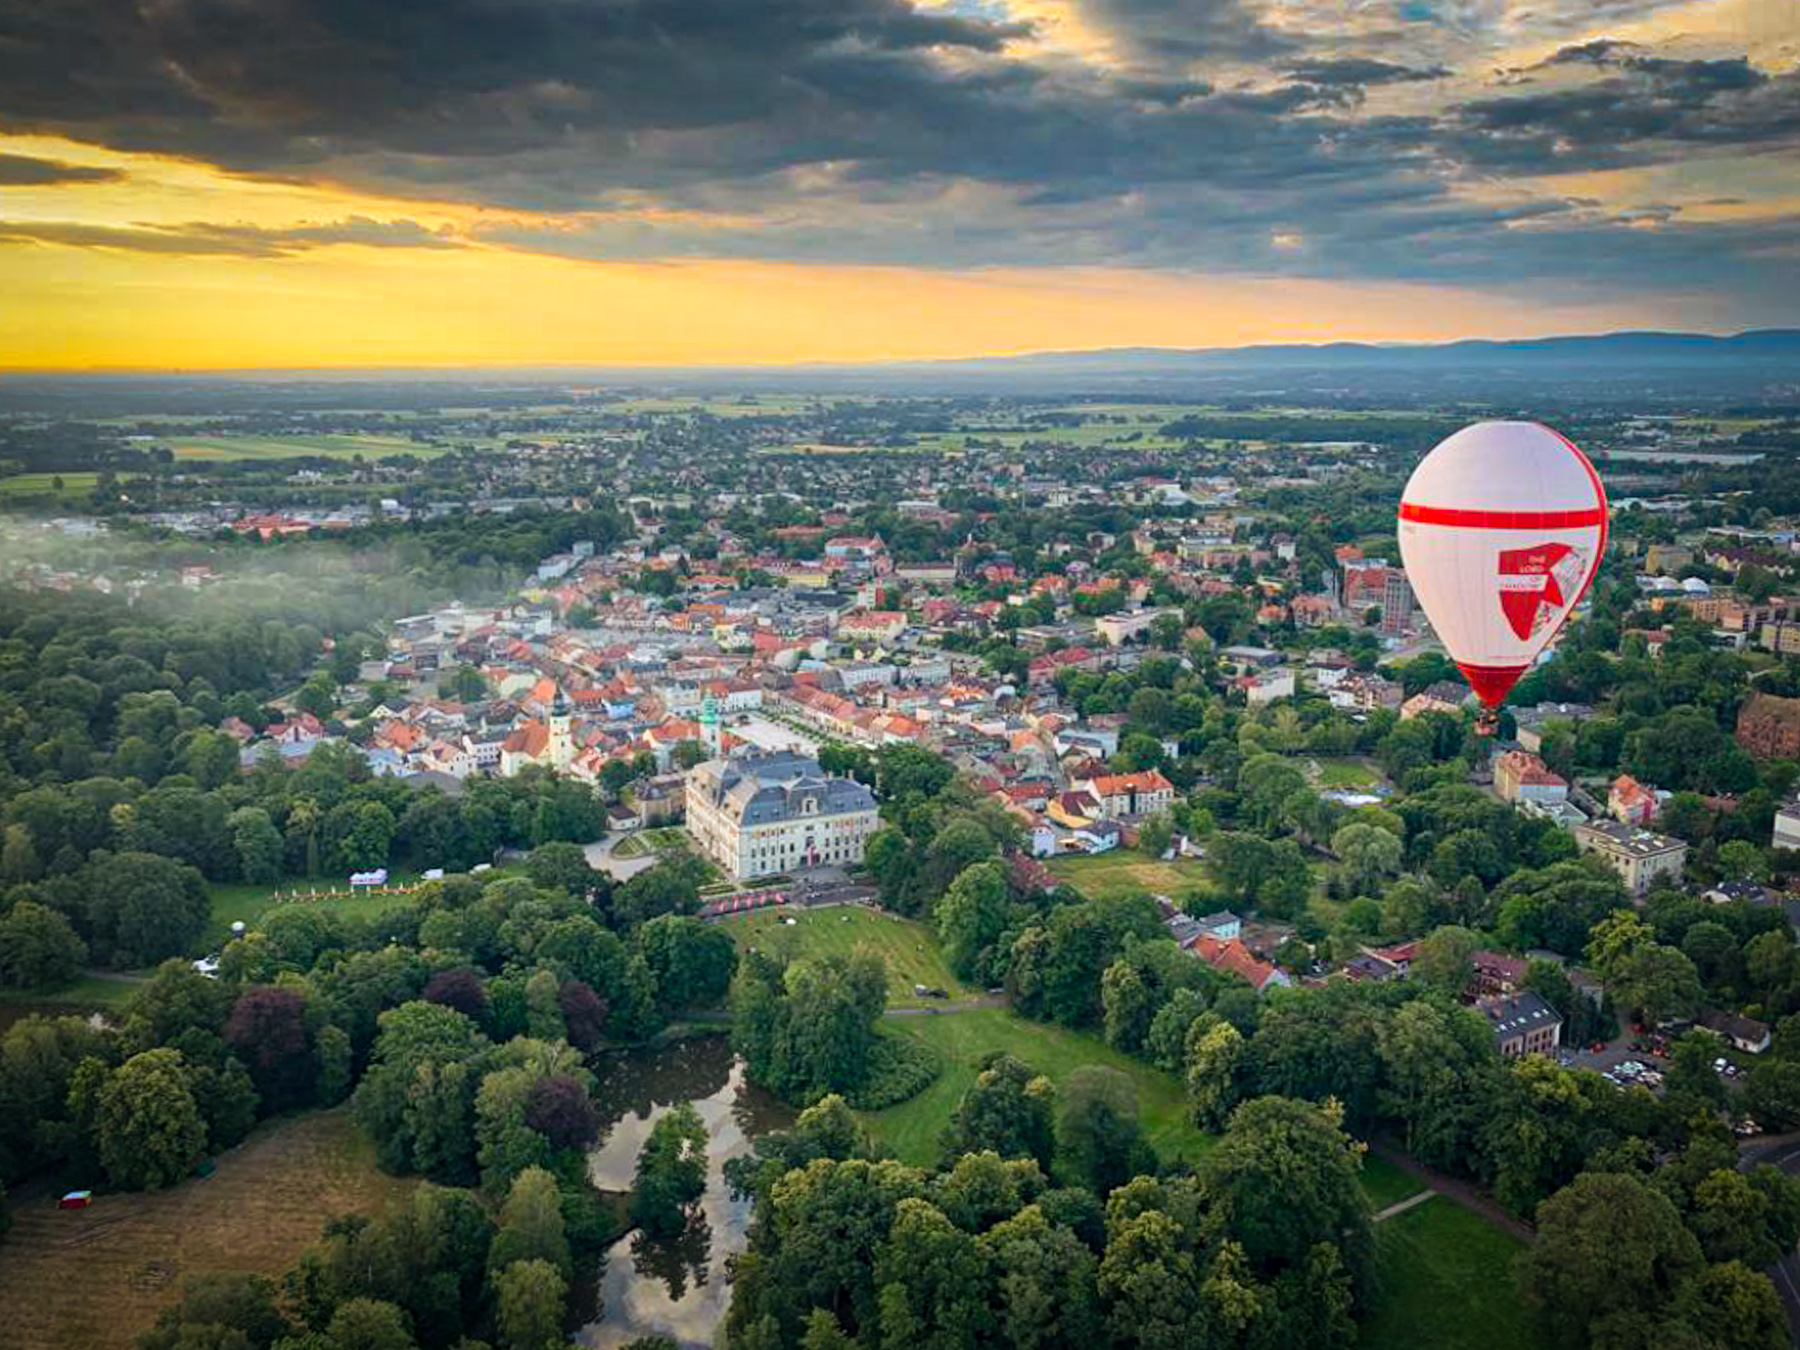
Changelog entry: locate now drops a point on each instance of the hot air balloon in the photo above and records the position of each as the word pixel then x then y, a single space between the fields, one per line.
pixel 1501 531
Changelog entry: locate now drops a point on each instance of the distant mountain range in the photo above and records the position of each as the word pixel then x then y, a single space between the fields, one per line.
pixel 1777 346
pixel 1644 369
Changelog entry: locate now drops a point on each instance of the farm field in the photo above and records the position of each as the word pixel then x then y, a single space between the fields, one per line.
pixel 910 949
pixel 92 1279
pixel 44 484
pixel 911 1129
pixel 1127 871
pixel 1446 1282
pixel 369 446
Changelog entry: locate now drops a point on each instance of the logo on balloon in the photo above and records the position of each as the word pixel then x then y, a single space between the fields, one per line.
pixel 1535 583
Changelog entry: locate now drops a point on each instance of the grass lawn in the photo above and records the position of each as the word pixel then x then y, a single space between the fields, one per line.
pixel 1345 773
pixel 665 839
pixel 44 484
pixel 369 446
pixel 84 991
pixel 1386 1184
pixel 246 904
pixel 92 1279
pixel 1127 871
pixel 910 949
pixel 1446 1282
pixel 911 1129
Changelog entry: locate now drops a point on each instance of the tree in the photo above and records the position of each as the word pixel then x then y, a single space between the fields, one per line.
pixel 148 1128
pixel 1283 1179
pixel 1369 855
pixel 933 1282
pixel 971 917
pixel 222 1301
pixel 1009 1110
pixel 1607 1245
pixel 531 1225
pixel 562 866
pixel 141 908
pixel 1098 1137
pixel 528 1306
pixel 560 1109
pixel 267 1030
pixel 1043 1282
pixel 1444 959
pixel 38 948
pixel 1655 983
pixel 258 844
pixel 671 1172
pixel 1216 1070
pixel 369 1324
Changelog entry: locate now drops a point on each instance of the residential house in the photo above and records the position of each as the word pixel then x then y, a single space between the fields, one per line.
pixel 1495 973
pixel 1631 803
pixel 1787 824
pixel 1523 1023
pixel 1233 956
pixel 1745 1033
pixel 1769 726
pixel 1638 856
pixel 1521 777
pixel 1132 794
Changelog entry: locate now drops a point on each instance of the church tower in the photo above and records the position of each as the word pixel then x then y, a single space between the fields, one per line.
pixel 709 727
pixel 562 737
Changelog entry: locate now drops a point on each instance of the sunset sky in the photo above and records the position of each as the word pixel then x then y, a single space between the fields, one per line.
pixel 252 183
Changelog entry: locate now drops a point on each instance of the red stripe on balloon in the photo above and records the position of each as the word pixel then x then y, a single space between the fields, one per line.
pixel 1504 520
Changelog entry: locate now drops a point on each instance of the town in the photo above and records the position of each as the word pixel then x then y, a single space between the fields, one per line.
pixel 937 749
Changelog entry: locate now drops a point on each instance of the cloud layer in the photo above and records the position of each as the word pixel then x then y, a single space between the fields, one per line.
pixel 1384 139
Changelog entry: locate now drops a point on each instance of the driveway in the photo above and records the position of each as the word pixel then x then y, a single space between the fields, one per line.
pixel 601 858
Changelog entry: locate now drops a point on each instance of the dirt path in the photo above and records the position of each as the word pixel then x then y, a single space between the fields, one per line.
pixel 1400 1207
pixel 1459 1192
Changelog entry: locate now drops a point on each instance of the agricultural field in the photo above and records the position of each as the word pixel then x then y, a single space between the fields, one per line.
pixel 369 446
pixel 911 1129
pixel 910 949
pixel 1129 872
pixel 92 1279
pixel 1446 1281
pixel 44 484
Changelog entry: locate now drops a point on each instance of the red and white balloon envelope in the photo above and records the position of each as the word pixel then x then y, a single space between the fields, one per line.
pixel 1501 531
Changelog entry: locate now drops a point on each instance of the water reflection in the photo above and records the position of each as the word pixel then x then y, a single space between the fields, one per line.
pixel 675 1288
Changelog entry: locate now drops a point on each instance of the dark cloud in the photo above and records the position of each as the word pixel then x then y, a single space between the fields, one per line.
pixel 1644 110
pixel 1362 71
pixel 28 171
pixel 1181 33
pixel 242 241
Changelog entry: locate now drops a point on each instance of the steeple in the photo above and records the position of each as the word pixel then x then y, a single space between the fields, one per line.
pixel 709 725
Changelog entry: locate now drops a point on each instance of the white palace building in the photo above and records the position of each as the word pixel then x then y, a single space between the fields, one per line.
pixel 762 814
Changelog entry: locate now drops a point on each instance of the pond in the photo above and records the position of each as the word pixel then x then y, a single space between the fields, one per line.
pixel 678 1288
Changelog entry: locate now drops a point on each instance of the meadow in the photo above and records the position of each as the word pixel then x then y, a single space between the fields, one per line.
pixel 1446 1282
pixel 910 949
pixel 1129 872
pixel 92 1279
pixel 326 446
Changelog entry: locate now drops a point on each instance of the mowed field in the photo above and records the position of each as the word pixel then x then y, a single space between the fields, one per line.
pixel 910 949
pixel 44 484
pixel 369 446
pixel 911 1129
pixel 92 1279
pixel 1446 1282
pixel 1128 872
pixel 246 904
